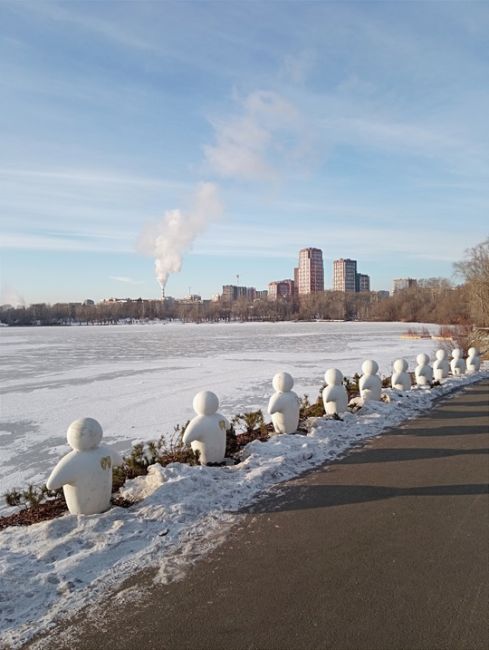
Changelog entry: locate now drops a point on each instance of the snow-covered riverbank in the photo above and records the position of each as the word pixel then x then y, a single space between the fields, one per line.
pixel 51 569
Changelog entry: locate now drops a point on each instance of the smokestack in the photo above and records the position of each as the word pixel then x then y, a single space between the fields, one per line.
pixel 162 292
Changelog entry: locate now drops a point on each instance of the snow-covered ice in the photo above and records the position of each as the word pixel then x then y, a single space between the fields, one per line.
pixel 51 569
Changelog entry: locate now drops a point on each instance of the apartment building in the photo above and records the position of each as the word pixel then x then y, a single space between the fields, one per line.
pixel 309 275
pixel 345 275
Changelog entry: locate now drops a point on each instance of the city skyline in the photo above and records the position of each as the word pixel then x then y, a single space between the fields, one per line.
pixel 189 143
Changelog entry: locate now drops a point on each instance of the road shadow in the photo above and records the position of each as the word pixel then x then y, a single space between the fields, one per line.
pixel 450 415
pixel 304 497
pixel 396 455
pixel 425 432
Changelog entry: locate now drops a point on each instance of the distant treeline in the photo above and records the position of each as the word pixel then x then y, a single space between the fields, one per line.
pixel 434 301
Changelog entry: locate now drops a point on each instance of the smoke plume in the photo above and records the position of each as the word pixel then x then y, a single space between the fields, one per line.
pixel 169 239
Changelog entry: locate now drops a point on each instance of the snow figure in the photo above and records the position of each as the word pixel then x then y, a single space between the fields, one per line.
pixel 335 397
pixel 457 364
pixel 284 404
pixel 423 371
pixel 441 367
pixel 85 474
pixel 400 379
pixel 473 361
pixel 206 433
pixel 370 383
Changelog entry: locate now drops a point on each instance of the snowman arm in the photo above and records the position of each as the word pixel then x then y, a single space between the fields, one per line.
pixel 190 434
pixel 326 394
pixel 274 404
pixel 64 472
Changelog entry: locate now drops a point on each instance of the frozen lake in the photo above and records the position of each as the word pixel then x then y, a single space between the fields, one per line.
pixel 139 380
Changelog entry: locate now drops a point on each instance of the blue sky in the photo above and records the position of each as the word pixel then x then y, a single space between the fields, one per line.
pixel 360 128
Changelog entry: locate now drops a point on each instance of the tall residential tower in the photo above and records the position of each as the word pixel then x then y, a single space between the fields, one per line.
pixel 309 275
pixel 345 275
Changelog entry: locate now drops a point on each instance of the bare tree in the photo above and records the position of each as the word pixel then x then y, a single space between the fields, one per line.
pixel 475 271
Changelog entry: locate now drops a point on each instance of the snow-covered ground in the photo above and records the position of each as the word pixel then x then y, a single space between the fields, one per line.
pixel 51 569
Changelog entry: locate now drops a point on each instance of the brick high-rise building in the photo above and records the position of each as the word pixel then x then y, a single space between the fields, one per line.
pixel 345 275
pixel 310 272
pixel 281 289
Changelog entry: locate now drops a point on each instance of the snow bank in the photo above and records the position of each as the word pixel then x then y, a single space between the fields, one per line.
pixel 50 570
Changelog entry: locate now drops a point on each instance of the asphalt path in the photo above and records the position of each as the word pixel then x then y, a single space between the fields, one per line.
pixel 385 549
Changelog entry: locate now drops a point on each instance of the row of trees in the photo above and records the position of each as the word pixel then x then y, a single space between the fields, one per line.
pixel 434 300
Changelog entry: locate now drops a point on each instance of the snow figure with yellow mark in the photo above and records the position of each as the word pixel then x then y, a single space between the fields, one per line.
pixel 85 474
pixel 206 433
pixel 335 397
pixel 370 384
pixel 284 404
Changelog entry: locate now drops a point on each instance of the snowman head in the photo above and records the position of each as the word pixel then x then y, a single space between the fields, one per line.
pixel 333 377
pixel 473 352
pixel 400 365
pixel 282 382
pixel 370 367
pixel 84 434
pixel 205 403
pixel 440 355
pixel 456 353
pixel 422 359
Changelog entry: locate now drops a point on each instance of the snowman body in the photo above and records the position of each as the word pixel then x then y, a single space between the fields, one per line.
pixel 400 379
pixel 85 474
pixel 284 404
pixel 457 364
pixel 335 397
pixel 423 371
pixel 206 433
pixel 473 361
pixel 370 383
pixel 441 367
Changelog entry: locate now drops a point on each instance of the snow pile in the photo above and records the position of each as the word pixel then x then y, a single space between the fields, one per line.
pixel 50 570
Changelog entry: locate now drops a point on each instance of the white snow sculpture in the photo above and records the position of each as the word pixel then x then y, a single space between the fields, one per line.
pixel 457 364
pixel 370 383
pixel 473 361
pixel 441 367
pixel 423 371
pixel 206 433
pixel 284 404
pixel 400 379
pixel 85 474
pixel 335 397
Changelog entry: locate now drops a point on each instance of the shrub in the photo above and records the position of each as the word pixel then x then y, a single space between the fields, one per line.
pixel 352 386
pixel 163 451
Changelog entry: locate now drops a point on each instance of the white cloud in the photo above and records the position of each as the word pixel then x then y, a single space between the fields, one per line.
pixel 89 178
pixel 41 242
pixel 255 144
pixel 124 279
